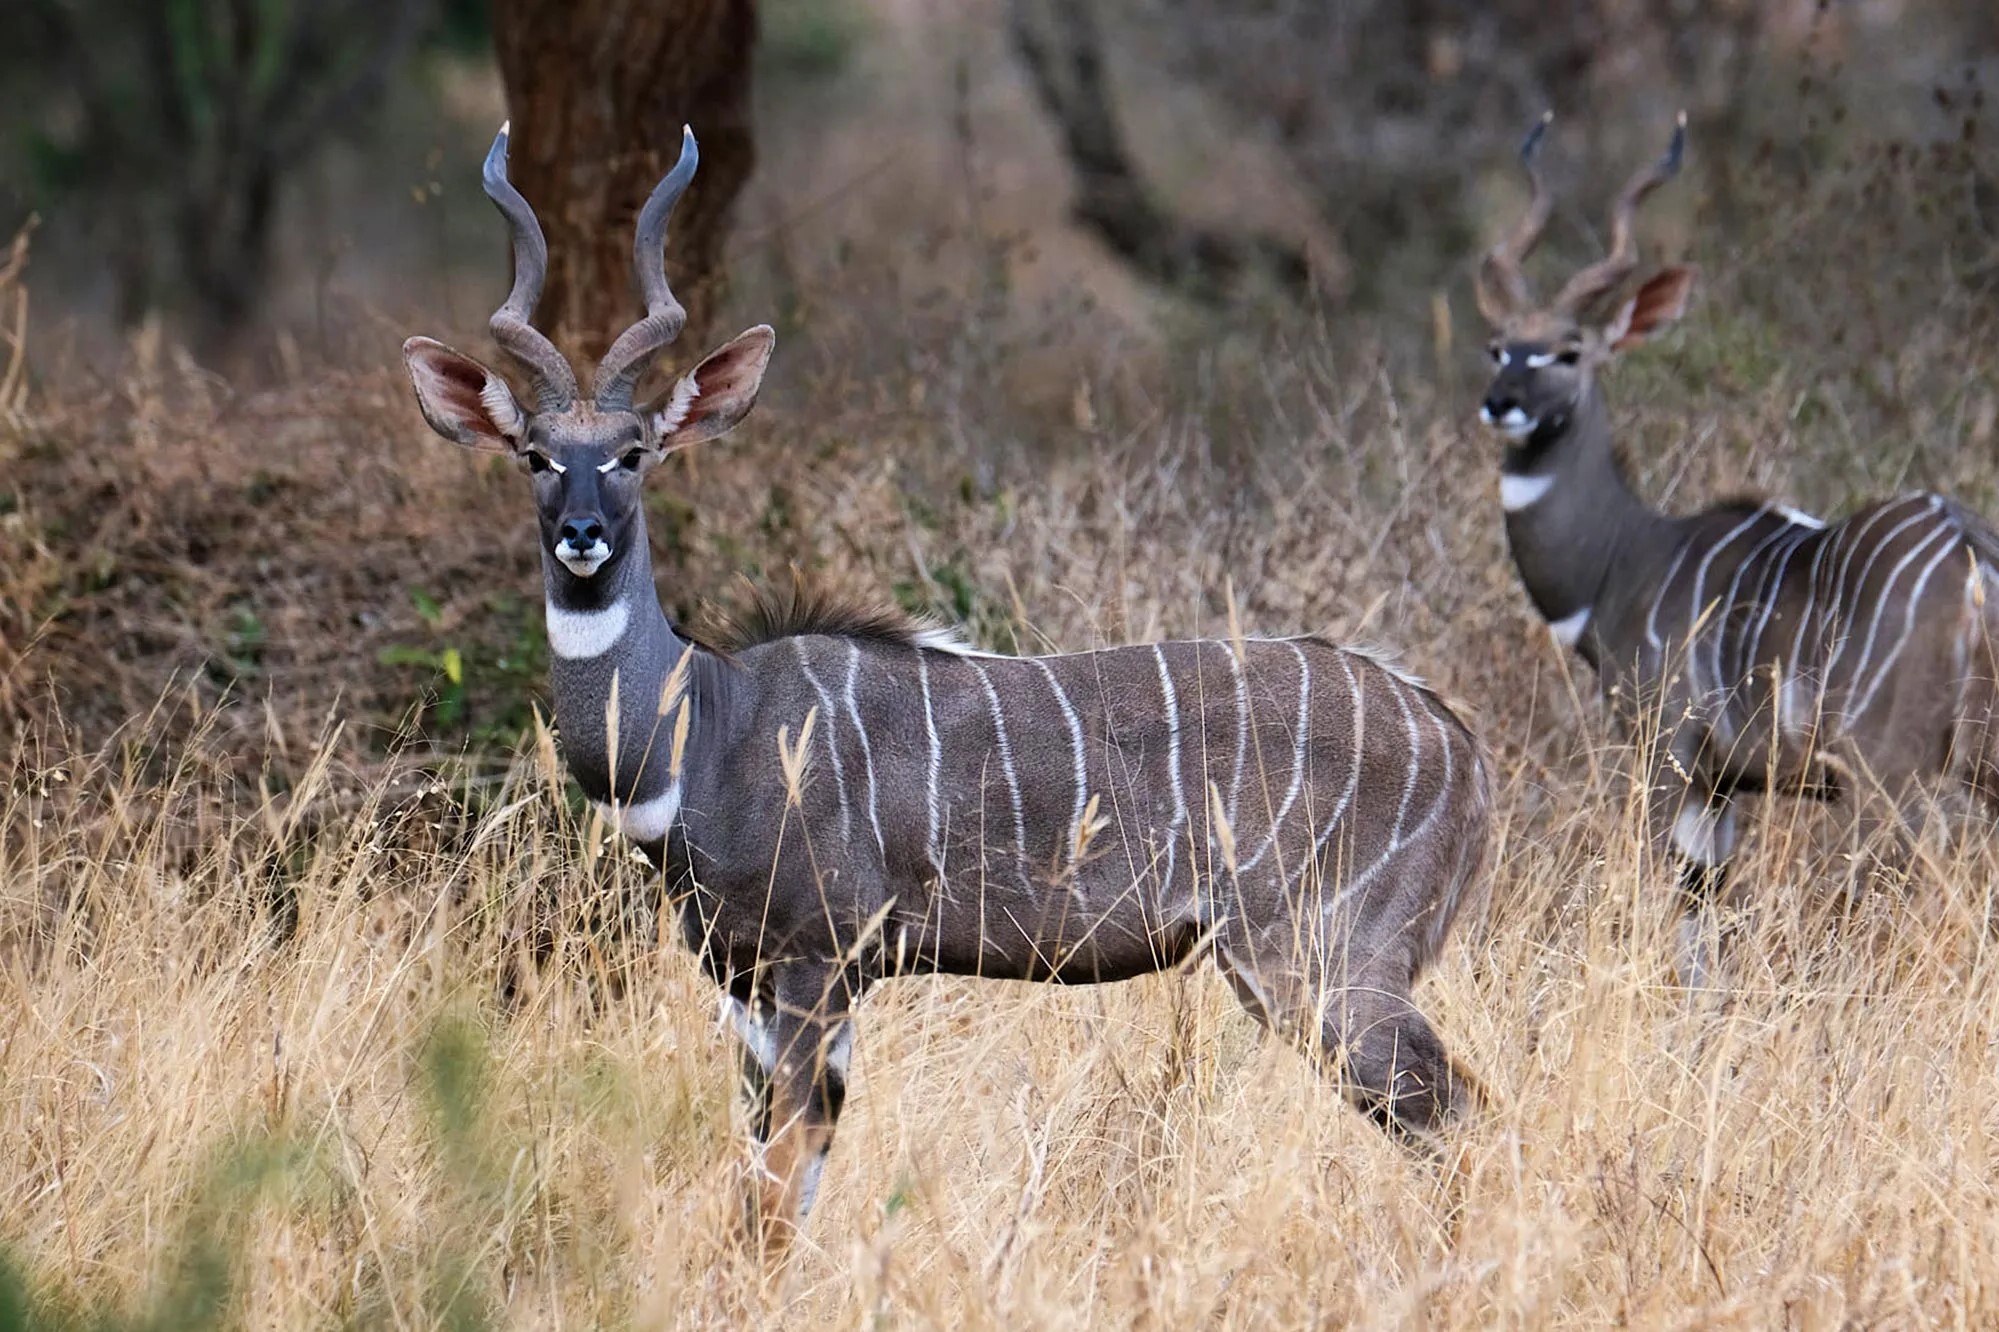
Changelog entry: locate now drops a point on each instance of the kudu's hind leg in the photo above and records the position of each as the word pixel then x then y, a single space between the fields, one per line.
pixel 797 1042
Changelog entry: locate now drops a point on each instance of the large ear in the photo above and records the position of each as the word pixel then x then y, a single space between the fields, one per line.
pixel 1658 303
pixel 709 399
pixel 463 400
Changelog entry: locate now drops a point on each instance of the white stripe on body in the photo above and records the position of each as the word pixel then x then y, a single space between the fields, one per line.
pixel 1849 540
pixel 832 721
pixel 1949 545
pixel 1652 635
pixel 1699 605
pixel 1006 765
pixel 1353 776
pixel 1297 762
pixel 1361 881
pixel 1848 614
pixel 936 764
pixel 1241 731
pixel 1769 588
pixel 1082 767
pixel 1172 699
pixel 1724 677
pixel 867 749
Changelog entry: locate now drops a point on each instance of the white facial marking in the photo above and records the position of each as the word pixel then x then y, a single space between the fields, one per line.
pixel 582 563
pixel 557 467
pixel 1570 628
pixel 1517 492
pixel 607 467
pixel 1504 358
pixel 1516 424
pixel 575 635
pixel 1700 832
pixel 1540 360
pixel 648 820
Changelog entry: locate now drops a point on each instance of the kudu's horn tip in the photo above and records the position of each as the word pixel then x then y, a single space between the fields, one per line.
pixel 1678 147
pixel 495 168
pixel 1532 144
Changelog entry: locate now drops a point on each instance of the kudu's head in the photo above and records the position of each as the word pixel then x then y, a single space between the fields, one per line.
pixel 586 457
pixel 1545 357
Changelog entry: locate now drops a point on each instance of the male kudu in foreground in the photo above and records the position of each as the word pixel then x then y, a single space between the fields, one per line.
pixel 1763 649
pixel 843 796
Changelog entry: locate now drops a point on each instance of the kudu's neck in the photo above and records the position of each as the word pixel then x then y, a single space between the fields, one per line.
pixel 1572 519
pixel 609 641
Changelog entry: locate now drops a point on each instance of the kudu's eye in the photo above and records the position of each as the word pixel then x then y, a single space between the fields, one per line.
pixel 1569 355
pixel 1496 354
pixel 538 461
pixel 631 459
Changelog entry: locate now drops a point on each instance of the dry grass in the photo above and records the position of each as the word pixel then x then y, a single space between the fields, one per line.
pixel 327 1009
pixel 377 1120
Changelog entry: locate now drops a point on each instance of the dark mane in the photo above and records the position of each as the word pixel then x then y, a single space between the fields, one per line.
pixel 776 612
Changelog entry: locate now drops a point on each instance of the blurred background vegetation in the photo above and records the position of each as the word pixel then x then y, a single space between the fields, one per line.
pixel 990 234
pixel 265 170
pixel 1099 321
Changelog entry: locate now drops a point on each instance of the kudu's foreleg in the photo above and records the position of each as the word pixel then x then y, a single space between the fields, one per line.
pixel 1696 827
pixel 1396 1068
pixel 1364 1029
pixel 797 1036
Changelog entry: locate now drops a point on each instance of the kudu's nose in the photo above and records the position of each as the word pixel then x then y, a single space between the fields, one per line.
pixel 1498 403
pixel 582 533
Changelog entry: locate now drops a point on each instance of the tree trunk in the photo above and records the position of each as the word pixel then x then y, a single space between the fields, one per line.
pixel 598 91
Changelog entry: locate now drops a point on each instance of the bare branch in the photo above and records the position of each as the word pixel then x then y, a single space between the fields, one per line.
pixel 1112 200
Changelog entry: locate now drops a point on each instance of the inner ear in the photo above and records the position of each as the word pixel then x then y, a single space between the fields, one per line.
pixel 463 400
pixel 712 397
pixel 1656 306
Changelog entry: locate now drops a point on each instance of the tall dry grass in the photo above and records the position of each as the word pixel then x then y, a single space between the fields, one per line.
pixel 329 1007
pixel 275 1073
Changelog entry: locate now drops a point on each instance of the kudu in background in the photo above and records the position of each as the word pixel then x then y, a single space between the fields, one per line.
pixel 1755 648
pixel 841 796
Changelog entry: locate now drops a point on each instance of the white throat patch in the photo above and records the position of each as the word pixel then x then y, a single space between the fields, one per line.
pixel 1517 492
pixel 576 635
